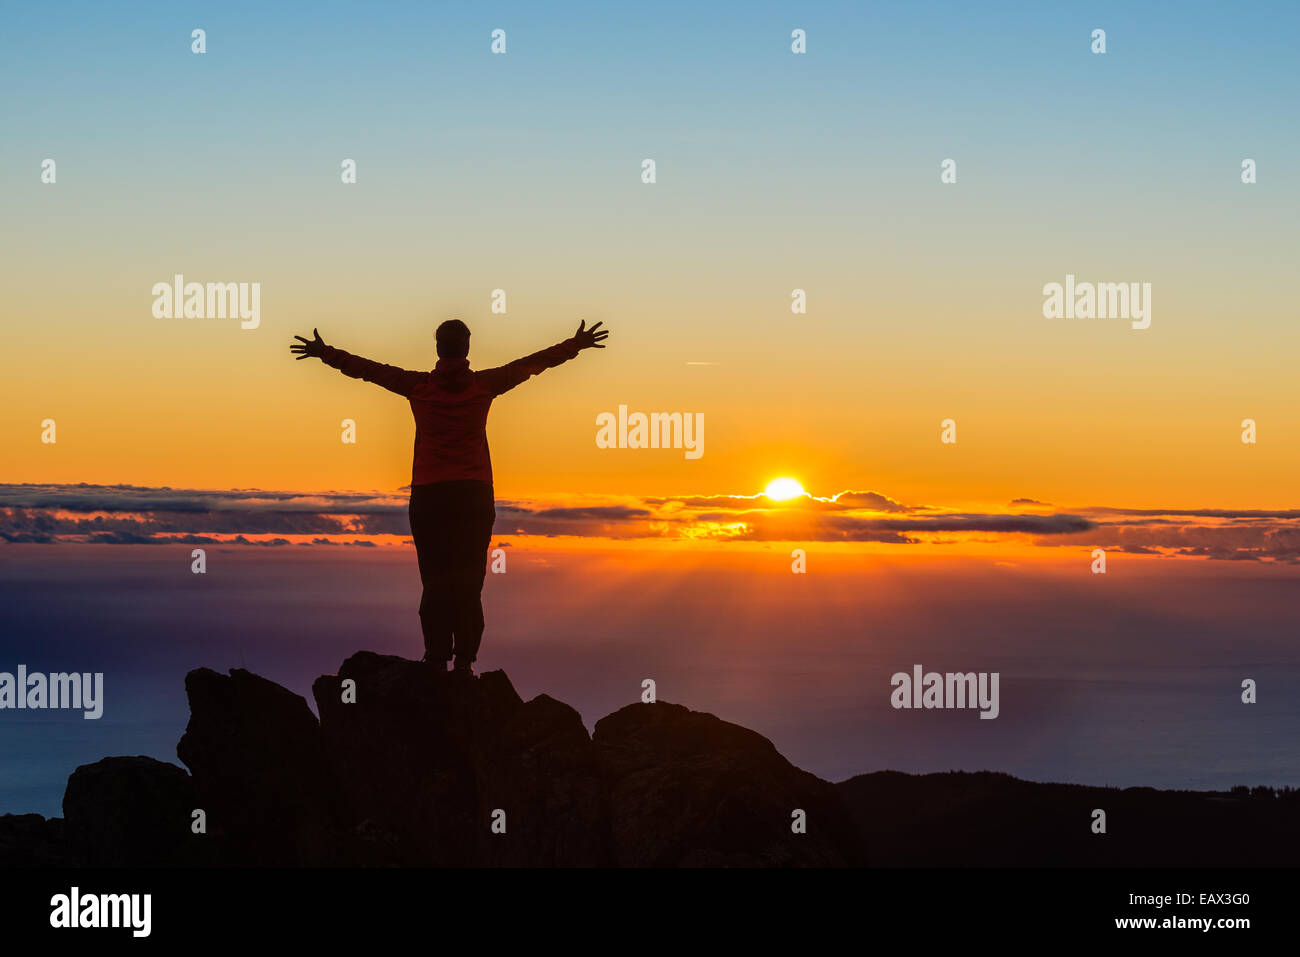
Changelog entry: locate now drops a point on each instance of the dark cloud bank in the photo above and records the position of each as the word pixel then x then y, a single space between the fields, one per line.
pixel 130 515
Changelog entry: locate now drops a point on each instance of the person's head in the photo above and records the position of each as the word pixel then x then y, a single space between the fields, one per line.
pixel 453 339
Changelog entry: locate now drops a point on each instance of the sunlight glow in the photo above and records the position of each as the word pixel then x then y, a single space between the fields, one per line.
pixel 783 489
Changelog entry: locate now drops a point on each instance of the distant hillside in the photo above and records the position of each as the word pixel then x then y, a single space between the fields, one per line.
pixel 989 819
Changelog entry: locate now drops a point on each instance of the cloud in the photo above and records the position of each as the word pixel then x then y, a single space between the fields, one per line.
pixel 1233 513
pixel 840 502
pixel 871 500
pixel 127 514
pixel 1271 537
pixel 605 513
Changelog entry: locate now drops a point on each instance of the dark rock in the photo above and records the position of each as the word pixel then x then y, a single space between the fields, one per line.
pixel 29 840
pixel 414 770
pixel 426 758
pixel 688 789
pixel 988 819
pixel 129 812
pixel 260 772
pixel 541 769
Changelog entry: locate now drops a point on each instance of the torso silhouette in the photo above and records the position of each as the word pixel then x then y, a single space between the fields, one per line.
pixel 450 405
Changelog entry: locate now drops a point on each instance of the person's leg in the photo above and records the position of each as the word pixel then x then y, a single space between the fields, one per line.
pixel 474 535
pixel 429 530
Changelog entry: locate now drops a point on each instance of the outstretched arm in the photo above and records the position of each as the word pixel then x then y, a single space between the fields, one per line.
pixel 506 377
pixel 390 377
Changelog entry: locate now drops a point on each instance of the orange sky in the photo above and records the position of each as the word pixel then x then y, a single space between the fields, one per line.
pixel 1113 417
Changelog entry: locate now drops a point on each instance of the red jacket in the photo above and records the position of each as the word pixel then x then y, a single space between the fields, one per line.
pixel 450 405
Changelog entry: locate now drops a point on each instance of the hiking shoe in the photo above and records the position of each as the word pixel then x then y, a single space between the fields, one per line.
pixel 440 664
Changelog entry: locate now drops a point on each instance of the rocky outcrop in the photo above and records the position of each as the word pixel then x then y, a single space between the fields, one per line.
pixel 126 812
pixel 688 789
pixel 433 767
pixel 437 770
pixel 260 773
pixel 408 765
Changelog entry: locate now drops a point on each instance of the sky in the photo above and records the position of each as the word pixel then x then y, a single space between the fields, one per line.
pixel 775 172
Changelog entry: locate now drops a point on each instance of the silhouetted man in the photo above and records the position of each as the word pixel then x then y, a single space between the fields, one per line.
pixel 452 508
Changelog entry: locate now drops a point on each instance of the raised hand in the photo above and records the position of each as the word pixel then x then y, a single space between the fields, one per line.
pixel 310 349
pixel 590 338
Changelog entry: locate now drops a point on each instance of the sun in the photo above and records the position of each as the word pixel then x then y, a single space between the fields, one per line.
pixel 783 489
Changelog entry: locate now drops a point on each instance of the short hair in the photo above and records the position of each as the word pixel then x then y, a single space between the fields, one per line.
pixel 453 339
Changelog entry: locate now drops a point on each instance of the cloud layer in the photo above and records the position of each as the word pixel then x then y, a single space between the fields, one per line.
pixel 126 514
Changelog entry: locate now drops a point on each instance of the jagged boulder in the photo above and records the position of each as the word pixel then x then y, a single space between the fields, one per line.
pixel 129 812
pixel 260 772
pixel 541 765
pixel 688 789
pixel 426 758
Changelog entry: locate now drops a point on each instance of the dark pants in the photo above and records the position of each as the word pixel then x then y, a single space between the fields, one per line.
pixel 451 523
